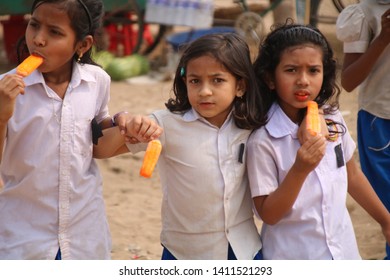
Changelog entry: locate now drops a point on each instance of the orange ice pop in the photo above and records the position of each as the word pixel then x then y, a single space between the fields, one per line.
pixel 150 158
pixel 313 118
pixel 29 65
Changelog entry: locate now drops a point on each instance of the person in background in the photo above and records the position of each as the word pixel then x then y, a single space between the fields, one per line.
pixel 364 29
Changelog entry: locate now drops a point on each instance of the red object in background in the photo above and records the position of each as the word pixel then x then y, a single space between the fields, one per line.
pixel 123 37
pixel 13 29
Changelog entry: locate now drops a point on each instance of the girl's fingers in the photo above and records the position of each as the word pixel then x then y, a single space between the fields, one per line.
pixel 143 129
pixel 313 150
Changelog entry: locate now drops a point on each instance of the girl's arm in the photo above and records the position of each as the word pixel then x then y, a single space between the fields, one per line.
pixel 3 132
pixel 113 141
pixel 10 87
pixel 361 191
pixel 357 66
pixel 273 207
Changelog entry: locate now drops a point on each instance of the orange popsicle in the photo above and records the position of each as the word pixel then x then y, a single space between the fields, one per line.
pixel 150 158
pixel 313 118
pixel 29 65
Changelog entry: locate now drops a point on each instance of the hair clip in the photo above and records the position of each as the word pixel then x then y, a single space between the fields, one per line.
pixel 182 72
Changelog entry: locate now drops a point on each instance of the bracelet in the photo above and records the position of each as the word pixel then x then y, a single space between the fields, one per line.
pixel 116 115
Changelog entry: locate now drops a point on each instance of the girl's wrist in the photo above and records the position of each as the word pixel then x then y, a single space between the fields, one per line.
pixel 113 119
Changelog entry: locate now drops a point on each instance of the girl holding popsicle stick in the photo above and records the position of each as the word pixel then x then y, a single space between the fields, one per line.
pixel 52 204
pixel 207 208
pixel 300 189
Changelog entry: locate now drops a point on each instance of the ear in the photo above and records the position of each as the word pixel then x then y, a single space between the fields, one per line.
pixel 270 81
pixel 241 88
pixel 84 45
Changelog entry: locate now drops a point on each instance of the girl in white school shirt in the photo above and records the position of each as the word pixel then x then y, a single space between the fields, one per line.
pixel 52 203
pixel 300 190
pixel 206 208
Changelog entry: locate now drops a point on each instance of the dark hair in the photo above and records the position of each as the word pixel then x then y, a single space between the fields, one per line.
pixel 233 53
pixel 289 35
pixel 85 19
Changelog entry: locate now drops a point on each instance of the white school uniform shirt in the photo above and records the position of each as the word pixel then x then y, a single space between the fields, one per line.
pixel 318 225
pixel 206 198
pixel 53 189
pixel 357 26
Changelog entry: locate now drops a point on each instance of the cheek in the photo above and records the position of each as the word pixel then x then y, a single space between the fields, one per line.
pixel 192 97
pixel 281 84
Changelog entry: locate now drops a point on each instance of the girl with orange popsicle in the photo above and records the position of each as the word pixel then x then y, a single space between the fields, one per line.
pixel 299 190
pixel 51 204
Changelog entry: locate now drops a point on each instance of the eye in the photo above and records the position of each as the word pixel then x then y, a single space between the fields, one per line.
pixel 291 70
pixel 55 32
pixel 315 70
pixel 218 80
pixel 193 81
pixel 33 24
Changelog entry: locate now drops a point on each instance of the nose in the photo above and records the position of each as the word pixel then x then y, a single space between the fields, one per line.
pixel 39 39
pixel 303 79
pixel 205 90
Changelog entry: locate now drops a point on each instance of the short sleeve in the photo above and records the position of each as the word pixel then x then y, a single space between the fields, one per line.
pixel 349 145
pixel 352 28
pixel 261 164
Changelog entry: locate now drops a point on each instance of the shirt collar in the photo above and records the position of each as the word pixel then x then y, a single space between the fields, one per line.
pixel 192 115
pixel 279 124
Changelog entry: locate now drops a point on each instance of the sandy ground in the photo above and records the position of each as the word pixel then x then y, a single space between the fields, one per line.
pixel 133 203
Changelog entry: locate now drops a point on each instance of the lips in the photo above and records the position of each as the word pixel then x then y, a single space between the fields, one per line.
pixel 37 54
pixel 302 95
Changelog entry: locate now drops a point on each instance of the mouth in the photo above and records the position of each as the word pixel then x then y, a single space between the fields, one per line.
pixel 302 95
pixel 37 54
pixel 205 104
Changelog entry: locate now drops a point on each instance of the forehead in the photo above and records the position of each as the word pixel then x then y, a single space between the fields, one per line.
pixel 52 13
pixel 205 62
pixel 302 51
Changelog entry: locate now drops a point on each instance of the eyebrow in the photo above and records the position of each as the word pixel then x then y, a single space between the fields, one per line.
pixel 298 65
pixel 218 74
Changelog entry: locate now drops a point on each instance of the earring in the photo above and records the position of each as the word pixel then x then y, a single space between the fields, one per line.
pixel 80 57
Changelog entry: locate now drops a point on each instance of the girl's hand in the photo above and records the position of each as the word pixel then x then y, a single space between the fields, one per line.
pixel 121 119
pixel 142 129
pixel 386 230
pixel 310 153
pixel 10 87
